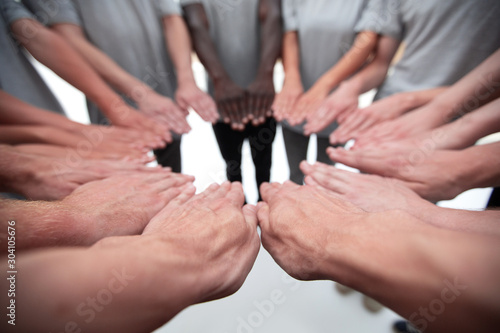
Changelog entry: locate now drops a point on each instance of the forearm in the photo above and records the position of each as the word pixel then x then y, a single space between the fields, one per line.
pixel 16 112
pixel 354 59
pixel 13 169
pixel 414 99
pixel 146 279
pixel 271 36
pixel 106 67
pixel 197 22
pixel 68 64
pixel 466 131
pixel 484 222
pixel 14 134
pixel 481 167
pixel 179 48
pixel 408 265
pixel 43 224
pixel 477 88
pixel 291 59
pixel 374 74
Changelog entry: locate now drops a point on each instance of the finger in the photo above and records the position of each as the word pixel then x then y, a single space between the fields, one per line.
pixel 170 194
pixel 170 183
pixel 234 114
pixel 209 191
pixel 310 181
pixel 306 168
pixel 187 192
pixel 256 109
pixel 242 107
pixel 263 216
pixel 223 108
pixel 268 191
pixel 250 214
pixel 236 195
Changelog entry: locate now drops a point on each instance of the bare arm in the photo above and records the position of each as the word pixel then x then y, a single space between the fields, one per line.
pixel 400 261
pixel 16 112
pixel 477 88
pixel 364 46
pixel 292 86
pixel 391 107
pixel 261 91
pixel 179 47
pixel 15 134
pixel 150 277
pixel 344 100
pixel 148 101
pixel 230 98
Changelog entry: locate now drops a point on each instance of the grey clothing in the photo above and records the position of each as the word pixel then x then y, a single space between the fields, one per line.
pixel 130 32
pixel 235 32
pixel 326 30
pixel 444 40
pixel 18 77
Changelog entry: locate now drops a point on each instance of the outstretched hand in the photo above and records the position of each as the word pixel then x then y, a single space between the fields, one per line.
pixel 339 104
pixel 216 237
pixel 299 224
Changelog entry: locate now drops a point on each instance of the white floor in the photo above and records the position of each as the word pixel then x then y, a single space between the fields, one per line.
pixel 313 307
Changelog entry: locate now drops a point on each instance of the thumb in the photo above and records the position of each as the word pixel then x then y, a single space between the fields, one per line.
pixel 250 214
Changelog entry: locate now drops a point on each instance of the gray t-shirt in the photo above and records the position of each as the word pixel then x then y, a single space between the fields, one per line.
pixel 18 77
pixel 326 30
pixel 235 32
pixel 130 32
pixel 444 40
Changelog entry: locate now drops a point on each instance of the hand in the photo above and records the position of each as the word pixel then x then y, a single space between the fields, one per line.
pixel 434 175
pixel 124 135
pixel 369 192
pixel 230 99
pixel 408 125
pixel 286 99
pixel 189 95
pixel 307 104
pixel 260 99
pixel 123 115
pixel 360 120
pixel 123 204
pixel 162 109
pixel 341 102
pixel 300 225
pixel 56 178
pixel 218 240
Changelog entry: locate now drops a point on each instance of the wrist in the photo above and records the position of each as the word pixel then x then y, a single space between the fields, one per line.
pixel 186 79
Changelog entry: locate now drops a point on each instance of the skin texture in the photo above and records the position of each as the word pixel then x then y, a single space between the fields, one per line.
pixel 459 134
pixel 434 174
pixel 398 260
pixel 47 178
pixel 292 103
pixel 375 194
pixel 68 64
pixel 479 87
pixel 118 205
pixel 344 100
pixel 13 111
pixel 188 94
pixel 357 122
pixel 156 107
pixel 364 45
pixel 197 249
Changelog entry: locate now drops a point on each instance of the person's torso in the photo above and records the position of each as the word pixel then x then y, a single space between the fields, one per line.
pixel 444 41
pixel 131 33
